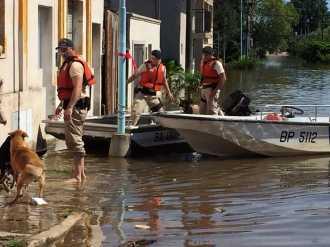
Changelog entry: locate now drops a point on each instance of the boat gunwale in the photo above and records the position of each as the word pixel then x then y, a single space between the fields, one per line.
pixel 249 120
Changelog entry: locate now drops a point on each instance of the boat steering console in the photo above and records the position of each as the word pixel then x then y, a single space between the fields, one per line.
pixel 291 111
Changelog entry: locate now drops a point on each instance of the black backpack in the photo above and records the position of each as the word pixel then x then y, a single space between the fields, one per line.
pixel 237 104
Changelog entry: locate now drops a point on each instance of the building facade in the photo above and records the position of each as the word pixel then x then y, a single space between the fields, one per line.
pixel 143 36
pixel 29 32
pixel 187 27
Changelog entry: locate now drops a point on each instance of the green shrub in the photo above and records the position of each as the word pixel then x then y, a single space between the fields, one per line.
pixel 311 50
pixel 16 243
pixel 182 81
pixel 244 63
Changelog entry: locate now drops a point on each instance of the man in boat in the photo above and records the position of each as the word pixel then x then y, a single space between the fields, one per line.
pixel 152 75
pixel 73 78
pixel 3 119
pixel 213 80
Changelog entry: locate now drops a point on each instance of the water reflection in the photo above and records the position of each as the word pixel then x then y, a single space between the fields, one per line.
pixel 211 202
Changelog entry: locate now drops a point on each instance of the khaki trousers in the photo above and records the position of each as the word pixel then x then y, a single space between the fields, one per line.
pixel 141 102
pixel 74 132
pixel 208 105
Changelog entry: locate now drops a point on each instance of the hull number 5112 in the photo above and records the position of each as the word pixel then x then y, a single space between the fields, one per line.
pixel 302 136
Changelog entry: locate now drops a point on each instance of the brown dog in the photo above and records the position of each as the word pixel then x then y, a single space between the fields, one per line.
pixel 25 163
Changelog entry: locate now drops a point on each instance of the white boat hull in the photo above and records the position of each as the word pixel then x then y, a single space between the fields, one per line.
pixel 236 136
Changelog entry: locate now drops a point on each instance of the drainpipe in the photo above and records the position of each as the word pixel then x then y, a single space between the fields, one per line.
pixel 122 69
pixel 189 48
pixel 23 49
pixel 120 142
pixel 241 29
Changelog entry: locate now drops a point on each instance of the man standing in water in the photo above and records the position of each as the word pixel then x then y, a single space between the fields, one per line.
pixel 152 78
pixel 213 80
pixel 73 78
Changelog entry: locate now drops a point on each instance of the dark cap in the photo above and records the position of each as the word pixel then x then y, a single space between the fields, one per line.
pixel 157 54
pixel 65 43
pixel 208 50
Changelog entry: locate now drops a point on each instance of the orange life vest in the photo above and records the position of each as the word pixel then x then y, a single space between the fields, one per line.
pixel 209 74
pixel 273 117
pixel 64 81
pixel 153 77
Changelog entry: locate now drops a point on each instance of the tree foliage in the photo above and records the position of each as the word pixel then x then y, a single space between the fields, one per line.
pixel 313 15
pixel 273 24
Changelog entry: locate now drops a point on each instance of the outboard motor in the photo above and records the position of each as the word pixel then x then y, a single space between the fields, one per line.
pixel 237 104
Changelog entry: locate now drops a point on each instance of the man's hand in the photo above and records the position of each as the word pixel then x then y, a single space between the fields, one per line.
pixel 213 93
pixel 67 114
pixel 170 95
pixel 58 110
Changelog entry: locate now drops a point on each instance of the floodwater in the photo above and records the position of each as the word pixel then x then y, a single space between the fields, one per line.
pixel 282 80
pixel 186 200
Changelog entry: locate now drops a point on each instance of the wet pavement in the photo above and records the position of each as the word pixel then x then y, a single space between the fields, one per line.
pixel 185 201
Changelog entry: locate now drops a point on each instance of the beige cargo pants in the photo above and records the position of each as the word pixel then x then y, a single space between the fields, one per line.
pixel 141 102
pixel 74 132
pixel 208 105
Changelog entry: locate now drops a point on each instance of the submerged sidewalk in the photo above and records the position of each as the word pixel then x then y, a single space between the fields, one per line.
pixel 23 221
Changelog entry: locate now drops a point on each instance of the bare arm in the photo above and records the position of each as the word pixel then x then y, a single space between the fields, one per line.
pixel 221 82
pixel 137 73
pixel 168 91
pixel 134 76
pixel 77 82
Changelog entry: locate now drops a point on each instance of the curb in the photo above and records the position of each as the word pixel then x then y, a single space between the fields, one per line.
pixel 55 233
pixel 7 235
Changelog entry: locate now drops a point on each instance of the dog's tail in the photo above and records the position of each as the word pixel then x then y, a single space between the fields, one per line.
pixel 33 170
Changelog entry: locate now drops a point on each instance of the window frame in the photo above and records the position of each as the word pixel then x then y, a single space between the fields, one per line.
pixel 3 28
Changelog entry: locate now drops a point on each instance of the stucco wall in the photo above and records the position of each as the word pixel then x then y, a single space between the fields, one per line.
pixel 97 11
pixel 30 63
pixel 30 101
pixel 7 62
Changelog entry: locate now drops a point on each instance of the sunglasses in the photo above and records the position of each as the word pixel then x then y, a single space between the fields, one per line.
pixel 63 49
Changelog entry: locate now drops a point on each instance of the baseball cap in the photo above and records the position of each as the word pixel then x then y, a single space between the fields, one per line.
pixel 64 43
pixel 208 50
pixel 157 54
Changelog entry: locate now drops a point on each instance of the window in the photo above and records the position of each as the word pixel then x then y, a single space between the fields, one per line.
pixel 203 20
pixel 75 23
pixel 2 28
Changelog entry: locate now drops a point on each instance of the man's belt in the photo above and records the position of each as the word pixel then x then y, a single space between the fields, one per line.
pixel 83 103
pixel 213 85
pixel 146 91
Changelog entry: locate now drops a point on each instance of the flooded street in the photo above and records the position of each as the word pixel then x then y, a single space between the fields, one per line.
pixel 210 202
pixel 186 200
pixel 283 80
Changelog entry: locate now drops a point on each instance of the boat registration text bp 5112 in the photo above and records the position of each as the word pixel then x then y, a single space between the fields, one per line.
pixel 302 136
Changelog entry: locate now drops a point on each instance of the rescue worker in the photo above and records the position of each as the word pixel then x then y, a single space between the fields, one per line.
pixel 152 78
pixel 3 119
pixel 213 80
pixel 73 78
